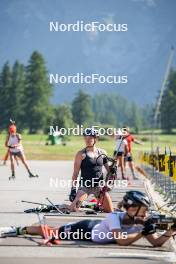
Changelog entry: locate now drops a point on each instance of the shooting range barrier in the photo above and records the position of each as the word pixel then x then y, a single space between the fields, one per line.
pixel 161 169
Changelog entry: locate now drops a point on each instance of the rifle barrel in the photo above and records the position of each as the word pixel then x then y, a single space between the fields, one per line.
pixel 23 201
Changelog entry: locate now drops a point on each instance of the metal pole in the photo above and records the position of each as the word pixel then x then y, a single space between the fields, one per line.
pixel 158 104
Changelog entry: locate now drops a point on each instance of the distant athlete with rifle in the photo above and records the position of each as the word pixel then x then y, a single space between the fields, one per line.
pixel 13 143
pixel 91 168
pixel 120 227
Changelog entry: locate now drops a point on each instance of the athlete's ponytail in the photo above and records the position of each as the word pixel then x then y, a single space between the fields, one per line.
pixel 120 205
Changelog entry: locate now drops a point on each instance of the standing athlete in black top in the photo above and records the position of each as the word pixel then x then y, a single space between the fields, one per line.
pixel 91 173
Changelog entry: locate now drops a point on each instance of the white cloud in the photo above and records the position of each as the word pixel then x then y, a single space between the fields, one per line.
pixel 109 19
pixel 150 3
pixel 93 35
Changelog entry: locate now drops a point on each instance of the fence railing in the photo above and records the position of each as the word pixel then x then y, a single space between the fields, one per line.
pixel 161 168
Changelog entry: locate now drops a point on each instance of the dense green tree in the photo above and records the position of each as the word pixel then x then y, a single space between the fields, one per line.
pixel 115 110
pixel 135 118
pixel 104 107
pixel 18 86
pixel 168 104
pixel 6 95
pixel 82 109
pixel 147 114
pixel 63 116
pixel 37 94
pixel 25 96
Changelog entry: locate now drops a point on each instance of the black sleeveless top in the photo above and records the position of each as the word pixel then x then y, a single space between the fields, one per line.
pixel 91 170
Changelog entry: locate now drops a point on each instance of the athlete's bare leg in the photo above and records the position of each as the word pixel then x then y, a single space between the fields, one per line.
pixel 34 230
pixel 37 230
pixel 106 202
pixel 131 165
pixel 80 197
pixel 16 159
pixel 23 160
pixel 12 164
pixel 121 165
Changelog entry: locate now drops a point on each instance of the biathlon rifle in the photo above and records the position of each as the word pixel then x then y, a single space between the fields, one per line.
pixel 112 174
pixel 45 208
pixel 161 221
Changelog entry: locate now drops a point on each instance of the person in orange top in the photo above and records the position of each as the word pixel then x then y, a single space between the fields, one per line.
pixel 8 152
pixel 13 142
pixel 128 158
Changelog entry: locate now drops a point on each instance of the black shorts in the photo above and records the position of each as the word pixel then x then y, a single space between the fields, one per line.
pixel 118 154
pixel 78 231
pixel 128 158
pixel 18 154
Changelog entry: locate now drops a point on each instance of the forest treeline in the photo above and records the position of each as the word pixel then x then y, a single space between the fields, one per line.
pixel 26 96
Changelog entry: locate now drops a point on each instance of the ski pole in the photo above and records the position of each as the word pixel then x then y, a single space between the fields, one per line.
pixel 44 232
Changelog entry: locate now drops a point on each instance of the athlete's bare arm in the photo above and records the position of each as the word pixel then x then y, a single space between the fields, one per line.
pixel 6 142
pixel 137 142
pixel 131 238
pixel 159 241
pixel 152 239
pixel 77 165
